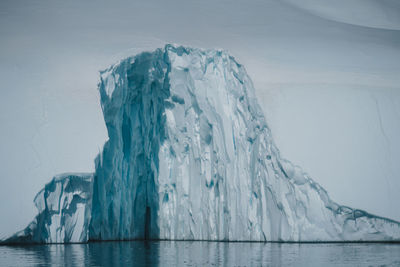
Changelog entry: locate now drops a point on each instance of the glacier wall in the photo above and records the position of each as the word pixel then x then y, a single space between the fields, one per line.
pixel 191 157
pixel 64 207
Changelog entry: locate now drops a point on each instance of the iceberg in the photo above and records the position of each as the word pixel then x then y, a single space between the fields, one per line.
pixel 190 157
pixel 64 207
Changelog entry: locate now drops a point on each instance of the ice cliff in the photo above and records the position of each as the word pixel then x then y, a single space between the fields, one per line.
pixel 191 157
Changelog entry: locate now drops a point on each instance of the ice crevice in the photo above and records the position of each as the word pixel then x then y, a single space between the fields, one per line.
pixel 191 157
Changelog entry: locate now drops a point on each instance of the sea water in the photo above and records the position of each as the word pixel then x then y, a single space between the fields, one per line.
pixel 201 253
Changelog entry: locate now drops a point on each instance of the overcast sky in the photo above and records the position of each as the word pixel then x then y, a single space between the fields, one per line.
pixel 327 74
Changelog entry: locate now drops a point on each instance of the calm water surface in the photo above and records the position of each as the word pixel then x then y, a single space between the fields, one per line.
pixel 187 253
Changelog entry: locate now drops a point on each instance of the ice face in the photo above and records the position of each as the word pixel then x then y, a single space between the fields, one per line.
pixel 125 194
pixel 191 157
pixel 64 207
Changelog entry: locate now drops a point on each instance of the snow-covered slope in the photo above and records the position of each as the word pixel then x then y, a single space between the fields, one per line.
pixel 64 211
pixel 190 156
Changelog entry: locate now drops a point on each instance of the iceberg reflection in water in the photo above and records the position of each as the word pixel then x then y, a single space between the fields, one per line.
pixel 197 253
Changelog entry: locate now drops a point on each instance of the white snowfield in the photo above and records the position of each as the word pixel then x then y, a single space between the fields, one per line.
pixel 190 157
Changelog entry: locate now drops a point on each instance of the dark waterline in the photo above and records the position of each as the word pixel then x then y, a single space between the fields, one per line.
pixel 197 253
